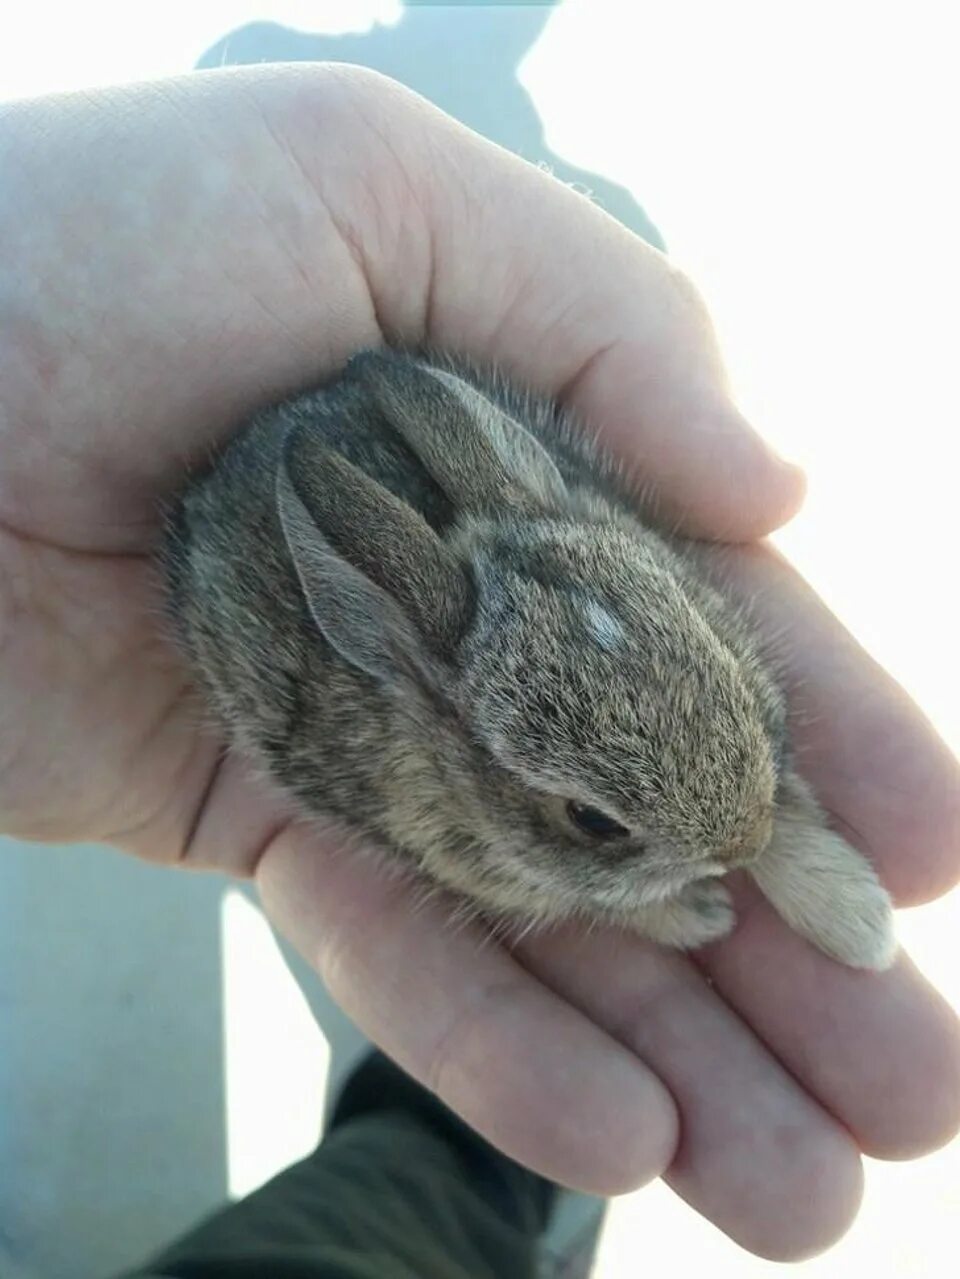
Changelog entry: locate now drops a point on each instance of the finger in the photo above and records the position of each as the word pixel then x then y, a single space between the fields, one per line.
pixel 757 1155
pixel 873 758
pixel 287 217
pixel 561 296
pixel 530 1073
pixel 879 1051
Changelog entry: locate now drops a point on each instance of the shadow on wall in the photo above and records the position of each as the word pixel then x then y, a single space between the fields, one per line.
pixel 464 58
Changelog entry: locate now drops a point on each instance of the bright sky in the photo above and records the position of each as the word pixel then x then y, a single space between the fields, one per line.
pixel 800 159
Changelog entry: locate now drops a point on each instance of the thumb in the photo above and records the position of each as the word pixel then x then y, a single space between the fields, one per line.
pixel 525 273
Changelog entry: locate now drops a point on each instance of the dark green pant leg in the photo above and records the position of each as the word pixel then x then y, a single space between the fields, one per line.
pixel 383 1197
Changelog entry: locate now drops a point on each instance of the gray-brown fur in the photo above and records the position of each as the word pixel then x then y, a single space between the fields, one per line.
pixel 429 607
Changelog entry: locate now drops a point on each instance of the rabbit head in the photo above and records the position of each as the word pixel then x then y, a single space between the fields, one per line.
pixel 575 738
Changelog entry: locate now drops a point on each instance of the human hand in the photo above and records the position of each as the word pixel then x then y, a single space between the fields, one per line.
pixel 181 253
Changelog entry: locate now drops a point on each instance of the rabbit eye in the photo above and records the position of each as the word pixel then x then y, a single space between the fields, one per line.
pixel 594 822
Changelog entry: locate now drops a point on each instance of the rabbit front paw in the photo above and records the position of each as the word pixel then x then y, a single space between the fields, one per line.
pixel 701 913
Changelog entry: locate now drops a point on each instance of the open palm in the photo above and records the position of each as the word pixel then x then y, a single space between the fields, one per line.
pixel 181 253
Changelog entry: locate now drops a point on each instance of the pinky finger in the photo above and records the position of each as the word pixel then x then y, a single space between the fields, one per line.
pixel 528 1071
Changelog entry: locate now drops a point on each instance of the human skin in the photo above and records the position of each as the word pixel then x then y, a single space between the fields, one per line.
pixel 178 254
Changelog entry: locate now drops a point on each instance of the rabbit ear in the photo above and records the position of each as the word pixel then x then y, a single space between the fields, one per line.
pixel 475 451
pixel 380 585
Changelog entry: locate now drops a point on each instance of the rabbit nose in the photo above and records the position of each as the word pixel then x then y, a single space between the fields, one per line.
pixel 751 841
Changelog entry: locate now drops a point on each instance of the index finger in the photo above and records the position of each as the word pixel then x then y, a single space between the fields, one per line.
pixel 885 776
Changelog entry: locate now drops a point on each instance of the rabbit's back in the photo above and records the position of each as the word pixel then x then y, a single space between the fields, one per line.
pixel 320 726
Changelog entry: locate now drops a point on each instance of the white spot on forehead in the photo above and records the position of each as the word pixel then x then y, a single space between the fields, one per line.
pixel 603 626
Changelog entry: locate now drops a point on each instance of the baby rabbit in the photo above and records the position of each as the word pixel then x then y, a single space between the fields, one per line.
pixel 428 606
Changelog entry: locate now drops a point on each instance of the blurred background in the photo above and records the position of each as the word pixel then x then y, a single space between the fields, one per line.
pixel 795 160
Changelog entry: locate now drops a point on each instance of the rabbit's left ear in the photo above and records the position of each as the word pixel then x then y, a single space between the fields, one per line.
pixel 480 456
pixel 380 586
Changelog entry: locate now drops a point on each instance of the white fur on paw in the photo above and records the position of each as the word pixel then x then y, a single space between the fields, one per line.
pixel 830 894
pixel 862 936
pixel 710 911
pixel 702 913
